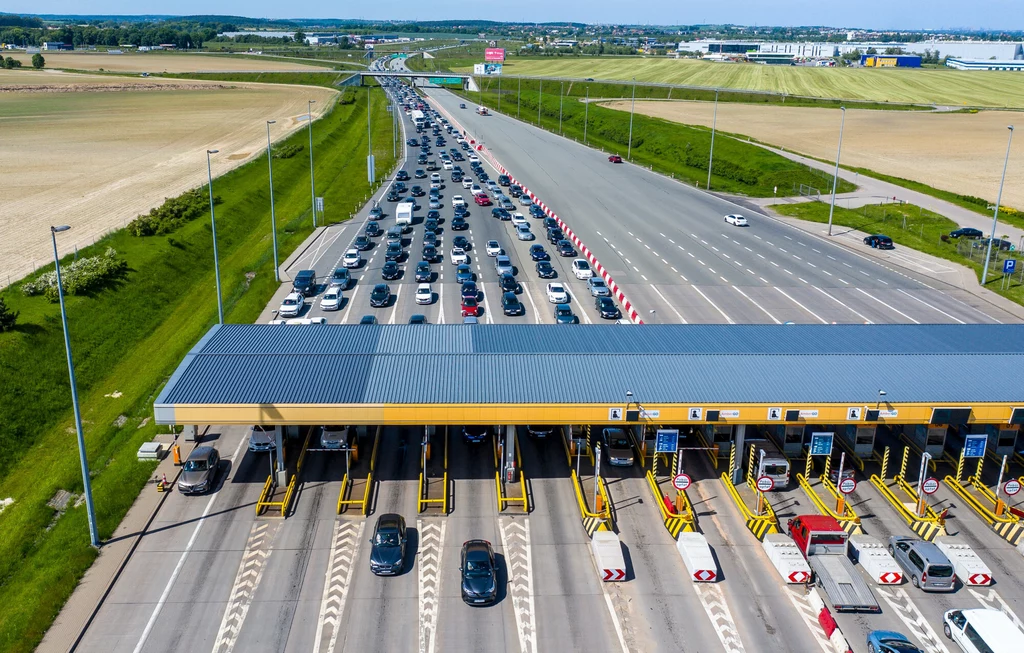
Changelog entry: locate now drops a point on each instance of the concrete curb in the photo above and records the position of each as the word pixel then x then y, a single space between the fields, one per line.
pixel 299 252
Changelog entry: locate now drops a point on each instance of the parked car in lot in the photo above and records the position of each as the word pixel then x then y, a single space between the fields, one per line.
pixel 878 241
pixel 262 438
pixel 607 308
pixel 479 573
pixel 564 315
pixel 387 545
pixel 331 299
pixel 292 305
pixel 966 232
pixel 925 564
pixel 617 447
pixel 199 473
pixel 557 294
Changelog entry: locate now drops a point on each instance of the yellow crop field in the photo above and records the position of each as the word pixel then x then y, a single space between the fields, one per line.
pixel 164 62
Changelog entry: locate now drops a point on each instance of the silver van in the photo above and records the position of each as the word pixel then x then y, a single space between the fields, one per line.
pixel 926 564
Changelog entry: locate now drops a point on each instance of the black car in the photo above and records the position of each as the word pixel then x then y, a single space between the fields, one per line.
pixel 510 304
pixel 550 223
pixel 368 319
pixel 423 273
pixel 305 282
pixel 435 214
pixel 362 242
pixel 475 434
pixel 500 213
pixel 607 308
pixel 469 290
pixel 430 238
pixel 429 253
pixel 461 241
pixel 479 573
pixel 457 177
pixel 459 224
pixel 538 253
pixel 503 180
pixel 966 232
pixel 380 295
pixel 565 248
pixel 878 241
pixel 421 173
pixel 376 212
pixel 555 235
pixel 515 191
pixel 421 159
pixel 393 253
pixel 387 546
pixel 390 271
pixel 430 224
pixel 393 196
pixel 402 175
pixel 997 244
pixel 461 211
pixel 508 283
pixel 372 229
pixel 536 211
pixel 417 319
pixel 399 187
pixel 417 191
pixel 545 271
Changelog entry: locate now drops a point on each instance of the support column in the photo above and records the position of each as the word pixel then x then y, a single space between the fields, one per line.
pixel 282 473
pixel 739 432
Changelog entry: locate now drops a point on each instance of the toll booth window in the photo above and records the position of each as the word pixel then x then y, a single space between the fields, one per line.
pixel 936 437
pixel 866 436
pixel 1006 439
pixel 794 435
pixel 722 434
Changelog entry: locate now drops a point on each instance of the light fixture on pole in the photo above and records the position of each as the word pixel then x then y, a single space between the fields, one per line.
pixel 711 155
pixel 213 227
pixel 273 219
pixel 629 145
pixel 881 393
pixel 561 89
pixel 94 537
pixel 370 174
pixel 540 99
pixel 312 182
pixel 995 215
pixel 835 177
pixel 586 110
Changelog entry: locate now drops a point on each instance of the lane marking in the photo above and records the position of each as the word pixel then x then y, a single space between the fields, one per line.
pixel 715 606
pixel 757 305
pixel 918 299
pixel 247 579
pixel 810 619
pixel 431 542
pixel 911 616
pixel 889 306
pixel 991 600
pixel 341 565
pixel 727 318
pixel 515 540
pixel 816 316
pixel 849 308
pixel 669 304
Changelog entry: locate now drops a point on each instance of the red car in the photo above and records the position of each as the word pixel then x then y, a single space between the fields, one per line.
pixel 482 200
pixel 470 307
pixel 615 158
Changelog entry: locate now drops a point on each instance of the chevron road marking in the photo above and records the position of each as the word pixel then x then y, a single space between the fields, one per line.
pixel 991 599
pixel 810 617
pixel 515 540
pixel 431 542
pixel 250 572
pixel 344 546
pixel 713 599
pixel 909 614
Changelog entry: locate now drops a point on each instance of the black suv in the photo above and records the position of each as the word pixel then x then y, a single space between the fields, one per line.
pixel 479 573
pixel 305 282
pixel 387 546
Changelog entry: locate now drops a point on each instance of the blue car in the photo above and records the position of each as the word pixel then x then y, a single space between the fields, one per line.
pixel 887 641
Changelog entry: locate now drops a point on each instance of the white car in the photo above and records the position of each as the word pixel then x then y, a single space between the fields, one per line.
pixel 331 299
pixel 352 258
pixel 457 200
pixel 292 305
pixel 737 220
pixel 459 256
pixel 447 165
pixel 581 269
pixel 460 140
pixel 473 157
pixel 467 182
pixel 475 189
pixel 523 232
pixel 557 294
pixel 424 295
pixel 493 248
pixel 519 219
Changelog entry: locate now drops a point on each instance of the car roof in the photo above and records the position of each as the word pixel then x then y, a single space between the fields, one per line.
pixel 389 520
pixel 201 452
pixel 476 546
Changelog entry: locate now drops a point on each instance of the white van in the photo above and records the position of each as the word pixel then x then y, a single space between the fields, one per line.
pixel 403 214
pixel 981 630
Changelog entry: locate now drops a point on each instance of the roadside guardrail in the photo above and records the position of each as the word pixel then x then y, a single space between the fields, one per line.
pixel 928 526
pixel 592 521
pixel 999 517
pixel 678 518
pixel 346 484
pixel 848 518
pixel 503 498
pixel 759 525
pixel 423 500
pixel 289 492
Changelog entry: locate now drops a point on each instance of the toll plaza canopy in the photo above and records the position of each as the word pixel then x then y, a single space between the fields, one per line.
pixel 561 374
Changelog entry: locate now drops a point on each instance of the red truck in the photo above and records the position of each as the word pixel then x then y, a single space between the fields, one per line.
pixel 827 548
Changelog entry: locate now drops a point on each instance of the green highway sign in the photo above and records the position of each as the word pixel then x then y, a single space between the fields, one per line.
pixel 445 80
pixel 402 55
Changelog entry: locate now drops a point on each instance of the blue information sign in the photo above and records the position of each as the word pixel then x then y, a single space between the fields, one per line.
pixel 974 446
pixel 667 441
pixel 821 444
pixel 1009 266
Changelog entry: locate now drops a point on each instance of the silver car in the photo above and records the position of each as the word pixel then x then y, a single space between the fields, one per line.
pixel 262 438
pixel 617 447
pixel 597 287
pixel 199 472
pixel 336 437
pixel 926 564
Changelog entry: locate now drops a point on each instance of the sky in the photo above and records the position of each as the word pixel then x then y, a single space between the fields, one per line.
pixel 895 14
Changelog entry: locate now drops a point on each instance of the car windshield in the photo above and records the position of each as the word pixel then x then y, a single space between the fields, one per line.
pixel 477 568
pixel 291 302
pixel 387 539
pixel 618 443
pixel 196 465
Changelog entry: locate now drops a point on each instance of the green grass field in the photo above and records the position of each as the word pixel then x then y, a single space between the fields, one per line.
pixel 938 86
pixel 128 339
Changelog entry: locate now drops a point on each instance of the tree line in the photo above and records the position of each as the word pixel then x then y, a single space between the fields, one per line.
pixel 183 34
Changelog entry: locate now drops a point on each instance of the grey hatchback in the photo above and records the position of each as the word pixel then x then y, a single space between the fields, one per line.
pixel 926 564
pixel 199 472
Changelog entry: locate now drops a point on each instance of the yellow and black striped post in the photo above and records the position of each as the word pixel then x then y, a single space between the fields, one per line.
pixel 809 465
pixel 903 465
pixel 827 468
pixel 732 463
pixel 750 463
pixel 981 463
pixel 885 463
pixel 960 465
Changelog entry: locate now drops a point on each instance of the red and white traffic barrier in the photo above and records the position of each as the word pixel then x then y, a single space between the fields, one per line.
pixel 696 554
pixel 969 567
pixel 607 551
pixel 596 264
pixel 871 554
pixel 828 624
pixel 786 557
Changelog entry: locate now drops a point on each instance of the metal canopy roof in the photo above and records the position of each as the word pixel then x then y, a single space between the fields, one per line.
pixel 331 365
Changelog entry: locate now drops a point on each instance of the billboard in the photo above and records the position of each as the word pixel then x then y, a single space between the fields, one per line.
pixel 494 54
pixel 487 68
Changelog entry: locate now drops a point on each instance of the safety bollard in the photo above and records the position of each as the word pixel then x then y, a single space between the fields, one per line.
pixel 903 465
pixel 598 503
pixel 981 463
pixel 428 451
pixel 355 453
pixel 828 467
pixel 668 504
pixel 732 463
pixel 750 463
pixel 960 466
pixel 176 454
pixel 885 463
pixel 808 467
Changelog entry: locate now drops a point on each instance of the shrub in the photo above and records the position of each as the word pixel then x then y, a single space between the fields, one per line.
pixel 173 213
pixel 7 317
pixel 287 151
pixel 81 277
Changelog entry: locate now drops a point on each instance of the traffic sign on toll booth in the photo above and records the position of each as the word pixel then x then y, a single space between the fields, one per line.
pixel 681 482
pixel 821 444
pixel 765 484
pixel 974 445
pixel 930 485
pixel 667 441
pixel 847 485
pixel 1009 266
pixel 1011 487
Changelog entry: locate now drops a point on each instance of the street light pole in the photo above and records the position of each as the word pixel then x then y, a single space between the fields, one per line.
pixel 629 145
pixel 714 123
pixel 540 99
pixel 519 94
pixel 586 111
pixel 94 538
pixel 499 93
pixel 560 91
pixel 213 226
pixel 995 215
pixel 312 183
pixel 273 220
pixel 835 177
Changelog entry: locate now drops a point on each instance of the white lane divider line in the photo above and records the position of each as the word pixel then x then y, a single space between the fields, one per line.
pixel 431 541
pixel 889 306
pixel 347 536
pixel 790 298
pixel 844 281
pixel 669 304
pixel 394 313
pixel 727 318
pixel 846 306
pixel 810 618
pixel 247 579
pixel 991 600
pixel 515 540
pixel 911 616
pixel 713 599
pixel 918 299
pixel 763 310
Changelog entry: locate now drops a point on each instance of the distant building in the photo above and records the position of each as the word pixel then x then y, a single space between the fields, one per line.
pixel 890 60
pixel 986 64
pixel 1001 50
pixel 56 46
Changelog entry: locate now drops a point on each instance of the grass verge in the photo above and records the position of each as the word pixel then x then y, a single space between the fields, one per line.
pixel 912 227
pixel 667 147
pixel 127 339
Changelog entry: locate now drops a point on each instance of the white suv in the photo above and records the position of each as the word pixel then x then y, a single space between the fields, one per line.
pixel 458 201
pixel 581 269
pixel 292 305
pixel 352 258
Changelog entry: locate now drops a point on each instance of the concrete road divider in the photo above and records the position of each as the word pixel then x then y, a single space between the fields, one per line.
pixel 696 554
pixel 872 555
pixel 828 624
pixel 607 552
pixel 786 557
pixel 969 567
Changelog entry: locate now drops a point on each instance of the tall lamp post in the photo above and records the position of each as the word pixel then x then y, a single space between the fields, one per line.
pixel 835 177
pixel 312 183
pixel 995 215
pixel 86 483
pixel 560 92
pixel 632 105
pixel 586 111
pixel 369 140
pixel 273 219
pixel 540 98
pixel 711 156
pixel 213 226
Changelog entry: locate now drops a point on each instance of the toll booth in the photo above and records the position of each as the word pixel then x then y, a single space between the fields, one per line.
pixel 860 439
pixel 773 464
pixel 1002 439
pixel 790 439
pixel 719 435
pixel 929 438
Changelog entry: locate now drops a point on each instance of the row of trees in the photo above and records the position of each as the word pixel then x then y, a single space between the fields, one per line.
pixel 11 62
pixel 185 35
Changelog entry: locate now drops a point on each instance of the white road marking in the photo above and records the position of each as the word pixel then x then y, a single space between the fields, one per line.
pixel 882 281
pixel 723 279
pixel 844 281
pixel 643 277
pixel 758 237
pixel 991 600
pixel 727 318
pixel 763 279
pixel 812 264
pixel 347 536
pixel 431 542
pixel 918 299
pixel 911 616
pixel 701 262
pixel 889 306
pixel 802 279
pixel 815 250
pixel 712 270
pixel 747 248
pixel 181 563
pixel 536 313
pixel 394 313
pixel 816 316
pixel 810 618
pixel 713 599
pixel 774 263
pixel 515 540
pixel 787 271
pixel 664 261
pixel 247 580
pixel 846 306
pixel 440 301
pixel 757 305
pixel 831 257
pixel 761 256
pixel 669 304
pixel 636 269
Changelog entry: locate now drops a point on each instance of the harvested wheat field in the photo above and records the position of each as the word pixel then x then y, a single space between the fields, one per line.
pixel 96 159
pixel 958 152
pixel 163 62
